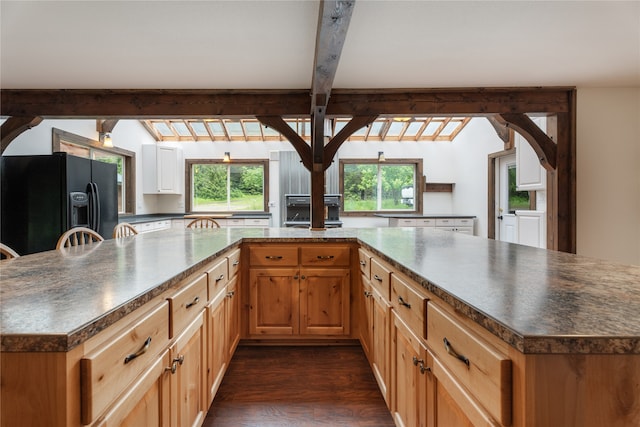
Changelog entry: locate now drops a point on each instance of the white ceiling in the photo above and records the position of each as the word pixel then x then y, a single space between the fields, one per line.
pixel 269 44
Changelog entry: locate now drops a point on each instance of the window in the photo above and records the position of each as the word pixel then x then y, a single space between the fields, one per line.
pixel 518 200
pixel 216 186
pixel 90 149
pixel 369 186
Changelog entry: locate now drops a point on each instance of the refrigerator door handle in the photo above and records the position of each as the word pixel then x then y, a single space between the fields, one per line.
pixel 98 215
pixel 94 206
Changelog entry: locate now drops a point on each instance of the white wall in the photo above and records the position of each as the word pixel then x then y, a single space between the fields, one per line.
pixel 608 173
pixel 471 149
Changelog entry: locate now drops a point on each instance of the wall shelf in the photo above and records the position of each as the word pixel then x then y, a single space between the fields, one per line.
pixel 438 187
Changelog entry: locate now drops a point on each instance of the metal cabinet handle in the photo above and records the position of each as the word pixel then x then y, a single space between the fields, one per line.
pixel 403 302
pixel 378 278
pixel 230 294
pixel 192 303
pixel 452 352
pixel 273 257
pixel 325 257
pixel 174 364
pixel 423 368
pixel 140 352
pixel 367 294
pixel 363 263
pixel 220 277
pixel 235 263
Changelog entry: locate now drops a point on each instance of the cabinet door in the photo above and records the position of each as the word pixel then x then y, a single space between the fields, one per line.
pixel 380 342
pixel 232 308
pixel 273 301
pixel 409 376
pixel 188 381
pixel 365 309
pixel 448 403
pixel 216 348
pixel 146 402
pixel 167 171
pixel 324 301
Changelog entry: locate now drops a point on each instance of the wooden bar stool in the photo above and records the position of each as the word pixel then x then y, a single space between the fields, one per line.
pixel 203 222
pixel 78 236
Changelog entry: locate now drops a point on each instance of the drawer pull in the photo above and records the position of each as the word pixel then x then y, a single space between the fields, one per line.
pixel 452 352
pixel 220 277
pixel 235 263
pixel 231 294
pixel 403 302
pixel 325 257
pixel 273 257
pixel 367 294
pixel 140 352
pixel 378 278
pixel 363 263
pixel 192 303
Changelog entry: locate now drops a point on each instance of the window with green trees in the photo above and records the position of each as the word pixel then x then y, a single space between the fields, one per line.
pixel 227 187
pixel 370 186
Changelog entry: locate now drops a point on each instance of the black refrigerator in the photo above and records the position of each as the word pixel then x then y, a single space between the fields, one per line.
pixel 44 196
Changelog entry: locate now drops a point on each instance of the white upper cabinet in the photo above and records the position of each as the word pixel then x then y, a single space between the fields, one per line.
pixel 530 175
pixel 162 169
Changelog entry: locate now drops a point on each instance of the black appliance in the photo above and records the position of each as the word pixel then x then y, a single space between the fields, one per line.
pixel 44 196
pixel 298 210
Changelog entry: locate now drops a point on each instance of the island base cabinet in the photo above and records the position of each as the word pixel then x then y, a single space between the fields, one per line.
pixel 381 343
pixel 448 403
pixel 147 403
pixel 324 301
pixel 217 354
pixel 408 376
pixel 273 308
pixel 188 377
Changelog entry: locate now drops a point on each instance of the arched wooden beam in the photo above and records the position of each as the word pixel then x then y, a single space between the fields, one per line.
pixel 502 131
pixel 544 146
pixel 354 125
pixel 13 127
pixel 301 146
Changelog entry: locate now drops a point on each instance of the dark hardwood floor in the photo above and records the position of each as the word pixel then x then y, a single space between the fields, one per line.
pixel 298 386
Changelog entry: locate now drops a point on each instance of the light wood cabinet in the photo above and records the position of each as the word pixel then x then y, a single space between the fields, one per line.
pixel 188 377
pixel 381 343
pixel 223 328
pixel 299 290
pixel 408 373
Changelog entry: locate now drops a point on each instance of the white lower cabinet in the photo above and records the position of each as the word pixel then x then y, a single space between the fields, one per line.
pixel 463 225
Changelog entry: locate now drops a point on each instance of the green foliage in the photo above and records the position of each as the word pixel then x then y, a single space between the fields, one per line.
pixel 246 185
pixel 361 186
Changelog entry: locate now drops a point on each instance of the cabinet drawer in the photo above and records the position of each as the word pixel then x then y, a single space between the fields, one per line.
pixel 406 222
pixel 410 306
pixel 445 222
pixel 185 304
pixel 256 222
pixel 237 222
pixel 380 278
pixel 426 222
pixel 234 263
pixel 325 256
pixel 273 256
pixel 479 367
pixel 464 222
pixel 108 370
pixel 364 259
pixel 217 277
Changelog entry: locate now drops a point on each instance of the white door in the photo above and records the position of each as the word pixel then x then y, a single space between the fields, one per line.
pixel 506 224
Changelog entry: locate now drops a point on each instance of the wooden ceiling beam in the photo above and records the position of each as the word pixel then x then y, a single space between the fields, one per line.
pixel 354 125
pixel 148 104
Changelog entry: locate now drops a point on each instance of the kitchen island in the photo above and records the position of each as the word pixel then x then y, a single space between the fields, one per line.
pixel 550 313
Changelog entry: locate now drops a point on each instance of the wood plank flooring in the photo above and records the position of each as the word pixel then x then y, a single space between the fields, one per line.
pixel 298 386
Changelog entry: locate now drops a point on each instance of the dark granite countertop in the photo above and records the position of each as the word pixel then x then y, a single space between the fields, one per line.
pixel 536 300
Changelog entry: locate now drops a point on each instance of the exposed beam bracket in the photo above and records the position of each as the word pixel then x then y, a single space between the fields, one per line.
pixel 300 145
pixel 545 147
pixel 13 127
pixel 106 126
pixel 334 144
pixel 502 131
